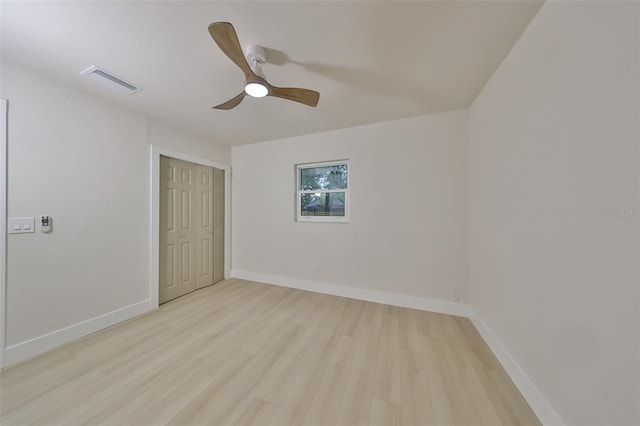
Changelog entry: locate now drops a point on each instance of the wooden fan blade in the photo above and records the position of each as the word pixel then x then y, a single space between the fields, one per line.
pixel 226 38
pixel 232 103
pixel 304 96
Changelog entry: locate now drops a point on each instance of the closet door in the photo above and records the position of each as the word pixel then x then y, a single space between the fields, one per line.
pixel 218 225
pixel 204 228
pixel 177 228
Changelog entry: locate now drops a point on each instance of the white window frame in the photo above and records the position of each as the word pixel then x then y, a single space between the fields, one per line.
pixel 299 192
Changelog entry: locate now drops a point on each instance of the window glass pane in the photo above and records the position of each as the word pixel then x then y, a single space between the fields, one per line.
pixel 330 177
pixel 322 204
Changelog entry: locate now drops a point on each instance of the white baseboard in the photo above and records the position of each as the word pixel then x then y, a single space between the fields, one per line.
pixel 538 403
pixel 412 302
pixel 545 412
pixel 38 345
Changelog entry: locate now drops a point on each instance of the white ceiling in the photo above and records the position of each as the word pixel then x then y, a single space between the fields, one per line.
pixel 371 61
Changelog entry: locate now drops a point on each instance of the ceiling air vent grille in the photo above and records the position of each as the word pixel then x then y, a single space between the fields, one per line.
pixel 103 76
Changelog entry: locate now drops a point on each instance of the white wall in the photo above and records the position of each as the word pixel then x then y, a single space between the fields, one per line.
pixel 407 233
pixel 84 162
pixel 553 148
pixel 160 134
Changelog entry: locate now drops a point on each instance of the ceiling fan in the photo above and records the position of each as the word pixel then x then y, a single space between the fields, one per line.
pixel 256 84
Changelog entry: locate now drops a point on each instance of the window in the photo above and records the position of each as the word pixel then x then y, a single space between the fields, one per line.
pixel 323 192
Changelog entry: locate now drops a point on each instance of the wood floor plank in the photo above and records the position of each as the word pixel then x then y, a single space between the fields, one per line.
pixel 386 413
pixel 258 412
pixel 244 353
pixel 356 402
pixel 387 372
pixel 293 409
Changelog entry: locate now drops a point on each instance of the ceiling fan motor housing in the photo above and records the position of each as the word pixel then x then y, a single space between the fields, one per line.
pixel 256 56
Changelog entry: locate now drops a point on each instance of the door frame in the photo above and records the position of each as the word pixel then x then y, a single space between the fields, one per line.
pixel 3 226
pixel 154 272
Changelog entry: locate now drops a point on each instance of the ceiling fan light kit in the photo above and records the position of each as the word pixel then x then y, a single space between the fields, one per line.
pixel 256 90
pixel 250 62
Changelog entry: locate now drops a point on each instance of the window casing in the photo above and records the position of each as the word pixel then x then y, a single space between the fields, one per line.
pixel 322 192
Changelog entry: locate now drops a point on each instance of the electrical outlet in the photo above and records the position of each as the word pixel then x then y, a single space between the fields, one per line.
pixel 455 296
pixel 315 269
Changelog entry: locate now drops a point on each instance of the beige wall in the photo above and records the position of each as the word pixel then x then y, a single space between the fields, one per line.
pixel 84 162
pixel 553 148
pixel 407 233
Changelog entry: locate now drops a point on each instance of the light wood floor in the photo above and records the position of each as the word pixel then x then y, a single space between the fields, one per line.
pixel 245 353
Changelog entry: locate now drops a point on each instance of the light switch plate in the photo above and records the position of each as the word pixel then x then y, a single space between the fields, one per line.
pixel 21 225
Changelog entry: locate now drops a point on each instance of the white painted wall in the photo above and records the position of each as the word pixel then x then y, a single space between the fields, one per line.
pixel 84 162
pixel 162 135
pixel 407 232
pixel 554 147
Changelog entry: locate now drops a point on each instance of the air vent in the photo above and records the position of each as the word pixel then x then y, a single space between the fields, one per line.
pixel 103 76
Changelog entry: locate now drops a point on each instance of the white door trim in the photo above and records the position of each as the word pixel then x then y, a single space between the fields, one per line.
pixel 3 226
pixel 154 273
